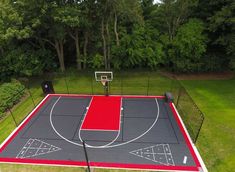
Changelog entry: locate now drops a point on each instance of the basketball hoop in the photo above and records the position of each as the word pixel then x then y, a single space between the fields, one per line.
pixel 104 77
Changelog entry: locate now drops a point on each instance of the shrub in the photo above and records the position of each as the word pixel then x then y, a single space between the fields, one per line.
pixel 10 94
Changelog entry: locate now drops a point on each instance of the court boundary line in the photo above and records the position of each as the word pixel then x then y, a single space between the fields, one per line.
pixel 66 163
pixel 114 95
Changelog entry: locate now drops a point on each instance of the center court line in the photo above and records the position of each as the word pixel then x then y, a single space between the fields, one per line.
pixel 107 146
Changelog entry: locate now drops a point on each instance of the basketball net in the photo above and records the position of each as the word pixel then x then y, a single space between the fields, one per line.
pixel 103 81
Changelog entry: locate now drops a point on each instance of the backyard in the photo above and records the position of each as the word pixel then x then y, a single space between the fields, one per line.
pixel 214 98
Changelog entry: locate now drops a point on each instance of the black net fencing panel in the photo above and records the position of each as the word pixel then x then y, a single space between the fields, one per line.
pixel 190 113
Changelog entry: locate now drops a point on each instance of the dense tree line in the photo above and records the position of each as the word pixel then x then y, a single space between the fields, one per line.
pixel 180 35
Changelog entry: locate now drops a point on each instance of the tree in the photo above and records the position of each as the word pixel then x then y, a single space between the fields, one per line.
pixel 11 24
pixel 218 17
pixel 88 20
pixel 140 48
pixel 111 11
pixel 69 16
pixel 56 29
pixel 189 46
pixel 38 17
pixel 174 13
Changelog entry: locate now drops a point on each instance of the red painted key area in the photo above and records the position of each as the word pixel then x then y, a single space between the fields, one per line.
pixel 103 114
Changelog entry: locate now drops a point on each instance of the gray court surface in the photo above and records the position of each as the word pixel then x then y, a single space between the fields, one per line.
pixel 149 135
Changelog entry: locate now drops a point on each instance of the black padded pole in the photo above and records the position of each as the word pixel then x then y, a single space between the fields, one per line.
pixel 148 85
pixel 85 151
pixel 92 88
pixel 106 88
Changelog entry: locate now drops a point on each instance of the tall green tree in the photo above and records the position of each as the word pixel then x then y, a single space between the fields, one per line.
pixel 88 19
pixel 174 13
pixel 189 46
pixel 56 30
pixel 219 18
pixel 12 24
pixel 111 11
pixel 69 16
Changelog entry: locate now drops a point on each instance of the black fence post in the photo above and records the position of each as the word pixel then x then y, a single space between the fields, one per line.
pixel 65 80
pixel 92 88
pixel 148 86
pixel 31 96
pixel 12 116
pixel 87 160
pixel 121 85
pixel 172 84
pixel 106 88
pixel 199 130
pixel 26 84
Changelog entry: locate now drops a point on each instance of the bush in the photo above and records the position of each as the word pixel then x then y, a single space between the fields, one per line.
pixel 10 94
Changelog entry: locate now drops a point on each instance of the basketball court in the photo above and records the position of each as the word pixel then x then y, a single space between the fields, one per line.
pixel 124 132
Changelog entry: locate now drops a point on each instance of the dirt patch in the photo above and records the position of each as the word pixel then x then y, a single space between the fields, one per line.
pixel 201 76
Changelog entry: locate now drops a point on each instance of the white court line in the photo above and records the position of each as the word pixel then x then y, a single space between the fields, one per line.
pixel 27 148
pixel 165 154
pixel 108 146
pixel 185 159
pixel 171 154
pixel 154 158
pixel 84 120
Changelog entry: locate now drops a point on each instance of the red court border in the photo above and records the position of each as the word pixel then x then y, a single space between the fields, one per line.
pixel 101 164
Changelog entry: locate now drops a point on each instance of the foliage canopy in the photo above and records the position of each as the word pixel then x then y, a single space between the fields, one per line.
pixel 182 35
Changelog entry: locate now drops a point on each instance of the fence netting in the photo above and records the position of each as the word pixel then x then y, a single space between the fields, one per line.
pixel 190 113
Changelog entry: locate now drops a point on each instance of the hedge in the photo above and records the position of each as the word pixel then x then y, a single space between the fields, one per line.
pixel 10 94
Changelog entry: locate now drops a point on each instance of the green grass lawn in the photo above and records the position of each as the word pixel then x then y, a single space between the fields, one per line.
pixel 216 142
pixel 215 99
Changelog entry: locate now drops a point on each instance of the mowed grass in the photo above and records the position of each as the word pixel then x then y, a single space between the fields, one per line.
pixel 216 142
pixel 37 168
